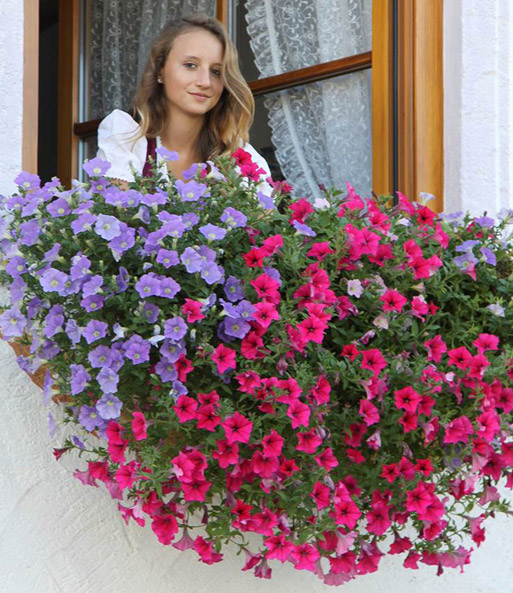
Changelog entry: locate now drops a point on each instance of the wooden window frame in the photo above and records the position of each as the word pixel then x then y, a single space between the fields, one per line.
pixel 407 93
pixel 30 85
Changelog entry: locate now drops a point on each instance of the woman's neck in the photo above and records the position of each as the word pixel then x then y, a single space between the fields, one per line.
pixel 182 135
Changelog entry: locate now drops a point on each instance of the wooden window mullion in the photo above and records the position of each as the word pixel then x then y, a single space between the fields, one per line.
pixel 67 140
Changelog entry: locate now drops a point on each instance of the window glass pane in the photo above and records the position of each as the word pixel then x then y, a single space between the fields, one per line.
pixel 260 138
pixel 117 38
pixel 275 37
pixel 321 134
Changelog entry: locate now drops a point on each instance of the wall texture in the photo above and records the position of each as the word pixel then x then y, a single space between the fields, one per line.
pixel 11 89
pixel 57 536
pixel 478 119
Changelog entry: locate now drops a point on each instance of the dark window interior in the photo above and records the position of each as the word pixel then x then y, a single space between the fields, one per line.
pixel 48 88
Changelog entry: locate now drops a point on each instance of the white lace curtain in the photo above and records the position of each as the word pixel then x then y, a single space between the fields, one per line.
pixel 321 131
pixel 121 32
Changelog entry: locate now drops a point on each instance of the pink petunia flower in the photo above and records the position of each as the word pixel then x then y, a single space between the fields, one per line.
pixel 237 428
pixel 139 426
pixel 224 358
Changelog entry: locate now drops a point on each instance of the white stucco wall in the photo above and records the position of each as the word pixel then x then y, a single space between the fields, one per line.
pixel 11 81
pixel 478 105
pixel 57 536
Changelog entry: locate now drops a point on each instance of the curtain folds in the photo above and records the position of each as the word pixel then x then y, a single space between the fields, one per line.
pixel 321 131
pixel 120 35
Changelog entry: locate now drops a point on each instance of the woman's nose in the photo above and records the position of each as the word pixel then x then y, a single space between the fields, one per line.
pixel 204 77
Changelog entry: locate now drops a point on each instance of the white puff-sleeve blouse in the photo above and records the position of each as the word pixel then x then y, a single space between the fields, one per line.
pixel 118 146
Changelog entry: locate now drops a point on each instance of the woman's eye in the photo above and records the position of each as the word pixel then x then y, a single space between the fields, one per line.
pixel 190 65
pixel 216 72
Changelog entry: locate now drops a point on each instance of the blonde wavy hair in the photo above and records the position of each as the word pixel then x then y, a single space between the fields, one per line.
pixel 228 123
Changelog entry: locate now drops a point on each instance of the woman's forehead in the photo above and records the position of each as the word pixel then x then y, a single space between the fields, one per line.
pixel 198 44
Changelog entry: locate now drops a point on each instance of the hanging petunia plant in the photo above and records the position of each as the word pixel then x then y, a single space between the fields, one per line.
pixel 314 385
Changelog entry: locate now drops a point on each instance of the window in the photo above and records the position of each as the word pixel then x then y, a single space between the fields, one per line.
pixel 404 65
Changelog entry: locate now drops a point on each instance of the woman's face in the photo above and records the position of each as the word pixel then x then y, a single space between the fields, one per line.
pixel 192 73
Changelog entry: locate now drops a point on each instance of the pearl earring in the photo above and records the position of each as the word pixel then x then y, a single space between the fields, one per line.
pixel 159 80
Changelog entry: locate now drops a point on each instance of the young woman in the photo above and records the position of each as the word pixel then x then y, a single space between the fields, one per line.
pixel 192 99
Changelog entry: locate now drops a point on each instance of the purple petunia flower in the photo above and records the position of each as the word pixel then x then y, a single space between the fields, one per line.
pixel 17 290
pixel 34 307
pixel 12 323
pixel 172 351
pixel 107 227
pixel 96 167
pixel 100 357
pixel 165 369
pixel 233 218
pixel 265 201
pixel 83 223
pixel 167 258
pixel 108 380
pixel 150 312
pixel 117 360
pixel 211 272
pixel 137 349
pixel 207 254
pixel 52 254
pixel 124 241
pixel 31 206
pixel 29 233
pixel 273 273
pixel 80 267
pixel 49 350
pixel 16 202
pixel 168 287
pixel 27 181
pixel 173 227
pixel 191 191
pixel 237 328
pixel 143 214
pixel 192 171
pixel 246 310
pixel 466 246
pixel 153 241
pixel 92 303
pixel 167 155
pixel 93 285
pixel 489 256
pixel 465 260
pixel 156 199
pixel 121 279
pixel 191 259
pixel 233 289
pixel 89 418
pixel 485 221
pixel 304 229
pixel 59 207
pixel 16 266
pixel 94 330
pixel 53 280
pixel 130 198
pixel 175 329
pixel 148 285
pixel 77 442
pixel 47 387
pixel 73 331
pixel 190 220
pixel 53 321
pixel 178 389
pixel 79 378
pixel 109 406
pixel 213 232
